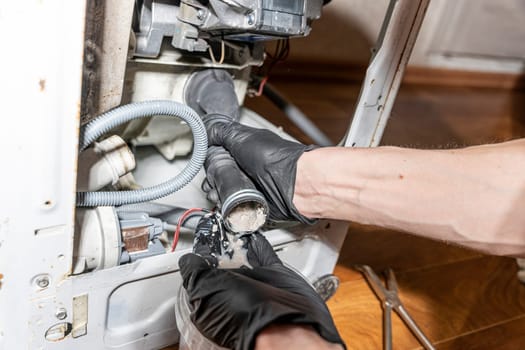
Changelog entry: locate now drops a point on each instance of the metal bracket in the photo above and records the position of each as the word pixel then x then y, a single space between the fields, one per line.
pixel 384 74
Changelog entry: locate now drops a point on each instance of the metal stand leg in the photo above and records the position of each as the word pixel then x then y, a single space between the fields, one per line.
pixel 385 72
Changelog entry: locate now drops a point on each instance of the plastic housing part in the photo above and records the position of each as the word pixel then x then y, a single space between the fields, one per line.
pixel 105 238
pixel 97 238
pixel 104 164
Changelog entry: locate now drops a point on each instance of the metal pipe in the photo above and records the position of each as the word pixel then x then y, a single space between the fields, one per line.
pixel 296 116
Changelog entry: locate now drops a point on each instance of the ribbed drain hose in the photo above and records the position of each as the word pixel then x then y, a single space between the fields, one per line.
pixel 109 120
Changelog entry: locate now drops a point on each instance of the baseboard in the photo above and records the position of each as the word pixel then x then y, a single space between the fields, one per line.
pixel 353 73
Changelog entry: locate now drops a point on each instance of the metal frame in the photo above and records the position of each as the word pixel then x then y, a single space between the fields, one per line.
pixel 40 85
pixel 384 74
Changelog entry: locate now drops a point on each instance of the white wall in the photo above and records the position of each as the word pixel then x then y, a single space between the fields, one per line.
pixel 486 35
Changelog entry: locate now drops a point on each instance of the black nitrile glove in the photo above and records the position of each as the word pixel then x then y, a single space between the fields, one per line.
pixel 231 306
pixel 269 161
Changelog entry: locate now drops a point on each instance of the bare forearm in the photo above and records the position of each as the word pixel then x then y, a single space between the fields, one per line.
pixel 469 196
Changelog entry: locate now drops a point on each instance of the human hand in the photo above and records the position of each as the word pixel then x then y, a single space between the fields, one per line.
pixel 267 159
pixel 232 306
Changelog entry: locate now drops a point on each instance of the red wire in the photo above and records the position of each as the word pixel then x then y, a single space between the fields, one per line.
pixel 182 218
pixel 261 86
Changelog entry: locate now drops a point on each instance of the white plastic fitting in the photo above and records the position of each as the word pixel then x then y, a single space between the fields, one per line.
pixel 104 163
pixel 97 234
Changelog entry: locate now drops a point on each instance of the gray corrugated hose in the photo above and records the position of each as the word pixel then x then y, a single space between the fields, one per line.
pixel 109 120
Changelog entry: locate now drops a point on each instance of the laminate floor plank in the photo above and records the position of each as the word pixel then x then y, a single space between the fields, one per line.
pixel 382 248
pixel 423 116
pixel 358 317
pixel 505 336
pixel 447 301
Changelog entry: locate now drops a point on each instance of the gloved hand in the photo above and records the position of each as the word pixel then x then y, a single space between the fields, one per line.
pixel 269 161
pixel 231 306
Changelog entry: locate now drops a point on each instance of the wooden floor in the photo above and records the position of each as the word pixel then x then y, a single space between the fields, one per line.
pixel 461 299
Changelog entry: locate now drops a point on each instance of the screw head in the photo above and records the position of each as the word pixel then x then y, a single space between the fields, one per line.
pixel 326 286
pixel 251 18
pixel 200 14
pixel 42 281
pixel 61 313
